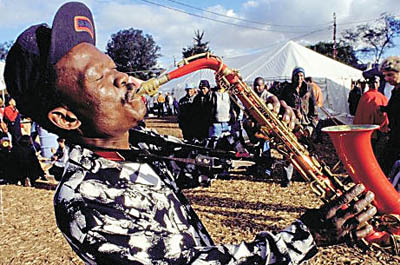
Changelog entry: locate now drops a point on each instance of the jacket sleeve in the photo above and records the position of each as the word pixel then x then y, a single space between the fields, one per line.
pixel 293 245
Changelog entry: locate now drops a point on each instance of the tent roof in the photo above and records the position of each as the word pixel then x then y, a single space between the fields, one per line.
pixel 281 62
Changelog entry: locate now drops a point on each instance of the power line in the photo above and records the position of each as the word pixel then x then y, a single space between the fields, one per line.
pixel 245 20
pixel 217 20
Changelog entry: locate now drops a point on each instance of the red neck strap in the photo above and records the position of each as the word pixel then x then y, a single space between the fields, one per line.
pixel 110 155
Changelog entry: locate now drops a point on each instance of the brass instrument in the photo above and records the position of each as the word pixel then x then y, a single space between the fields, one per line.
pixel 322 181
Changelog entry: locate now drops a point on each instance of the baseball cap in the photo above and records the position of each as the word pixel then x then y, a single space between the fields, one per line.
pixel 39 48
pixel 204 83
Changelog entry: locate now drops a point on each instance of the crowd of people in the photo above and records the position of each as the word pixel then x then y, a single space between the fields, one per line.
pixel 21 158
pixel 370 106
pixel 119 199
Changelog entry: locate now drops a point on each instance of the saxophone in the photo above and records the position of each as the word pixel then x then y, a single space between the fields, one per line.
pixel 323 182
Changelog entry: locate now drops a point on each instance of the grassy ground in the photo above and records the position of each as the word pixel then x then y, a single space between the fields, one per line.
pixel 232 210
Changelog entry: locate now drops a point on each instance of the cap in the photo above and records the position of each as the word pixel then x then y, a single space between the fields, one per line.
pixel 30 60
pixel 72 24
pixel 297 70
pixel 204 83
pixel 189 86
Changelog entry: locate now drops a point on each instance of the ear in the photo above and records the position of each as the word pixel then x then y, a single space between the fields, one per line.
pixel 64 118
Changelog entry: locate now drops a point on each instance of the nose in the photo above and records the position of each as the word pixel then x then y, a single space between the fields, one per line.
pixel 121 79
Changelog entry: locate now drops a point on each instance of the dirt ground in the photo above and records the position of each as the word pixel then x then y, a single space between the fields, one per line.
pixel 232 210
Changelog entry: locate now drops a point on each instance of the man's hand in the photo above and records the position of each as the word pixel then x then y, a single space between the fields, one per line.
pixel 332 224
pixel 280 107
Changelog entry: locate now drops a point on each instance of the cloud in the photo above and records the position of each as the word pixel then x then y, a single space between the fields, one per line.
pixel 306 21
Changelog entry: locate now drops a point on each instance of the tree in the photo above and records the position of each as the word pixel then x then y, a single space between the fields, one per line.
pixel 198 47
pixel 374 39
pixel 344 52
pixel 133 52
pixel 4 48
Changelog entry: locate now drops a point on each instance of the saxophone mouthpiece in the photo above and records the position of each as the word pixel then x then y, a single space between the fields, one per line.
pixel 151 86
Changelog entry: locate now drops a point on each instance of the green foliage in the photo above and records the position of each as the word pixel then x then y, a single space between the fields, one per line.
pixel 4 48
pixel 198 47
pixel 133 52
pixel 373 39
pixel 344 52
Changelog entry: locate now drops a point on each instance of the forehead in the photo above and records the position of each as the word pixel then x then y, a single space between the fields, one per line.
pixel 390 73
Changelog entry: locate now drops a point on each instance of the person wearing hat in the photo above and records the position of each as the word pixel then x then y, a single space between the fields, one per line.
pixel 390 69
pixel 201 106
pixel 186 119
pixel 354 96
pixel 299 96
pixel 368 111
pixel 115 204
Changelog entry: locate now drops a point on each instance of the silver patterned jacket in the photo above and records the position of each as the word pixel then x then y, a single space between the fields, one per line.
pixel 132 212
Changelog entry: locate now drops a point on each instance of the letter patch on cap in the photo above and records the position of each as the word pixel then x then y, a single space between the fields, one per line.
pixel 82 23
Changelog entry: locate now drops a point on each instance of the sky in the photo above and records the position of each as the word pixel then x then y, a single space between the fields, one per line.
pixel 231 27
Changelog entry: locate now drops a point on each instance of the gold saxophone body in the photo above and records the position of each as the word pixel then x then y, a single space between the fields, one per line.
pixel 322 181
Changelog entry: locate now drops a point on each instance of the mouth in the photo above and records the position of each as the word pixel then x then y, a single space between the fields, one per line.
pixel 130 94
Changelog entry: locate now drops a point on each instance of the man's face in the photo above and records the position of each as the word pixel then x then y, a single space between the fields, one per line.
pixel 191 92
pixel 300 78
pixel 392 77
pixel 204 90
pixel 101 97
pixel 259 86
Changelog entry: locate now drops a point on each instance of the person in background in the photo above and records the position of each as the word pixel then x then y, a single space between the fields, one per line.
pixel 316 92
pixel 59 159
pixel 390 68
pixel 186 113
pixel 1 109
pixel 261 88
pixel 25 166
pixel 201 107
pixel 368 111
pixel 117 205
pixel 354 96
pixel 12 118
pixel 169 103
pixel 264 153
pixel 298 96
pixel 160 104
pixel 221 113
pixel 175 104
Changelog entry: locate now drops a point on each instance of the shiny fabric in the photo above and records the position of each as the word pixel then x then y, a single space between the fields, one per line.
pixel 132 212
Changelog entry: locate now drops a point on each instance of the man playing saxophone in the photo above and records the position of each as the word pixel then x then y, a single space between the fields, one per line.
pixel 112 205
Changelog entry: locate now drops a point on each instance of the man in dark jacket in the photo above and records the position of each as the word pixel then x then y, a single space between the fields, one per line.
pixel 186 112
pixel 298 96
pixel 390 68
pixel 201 107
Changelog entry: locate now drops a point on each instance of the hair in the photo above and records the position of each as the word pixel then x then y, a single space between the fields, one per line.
pixel 256 80
pixel 308 79
pixel 391 63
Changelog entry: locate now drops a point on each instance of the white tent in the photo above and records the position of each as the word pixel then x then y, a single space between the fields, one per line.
pixel 333 77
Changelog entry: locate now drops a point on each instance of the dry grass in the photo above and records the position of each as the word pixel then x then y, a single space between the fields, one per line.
pixel 232 210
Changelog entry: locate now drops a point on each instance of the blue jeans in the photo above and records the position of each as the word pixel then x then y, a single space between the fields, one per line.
pixel 216 129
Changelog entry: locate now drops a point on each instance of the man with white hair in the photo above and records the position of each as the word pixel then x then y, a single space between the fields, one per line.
pixel 390 68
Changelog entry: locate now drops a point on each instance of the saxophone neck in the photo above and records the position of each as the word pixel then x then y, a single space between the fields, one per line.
pixel 151 86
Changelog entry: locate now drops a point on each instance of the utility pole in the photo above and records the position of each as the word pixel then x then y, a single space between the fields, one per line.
pixel 334 36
